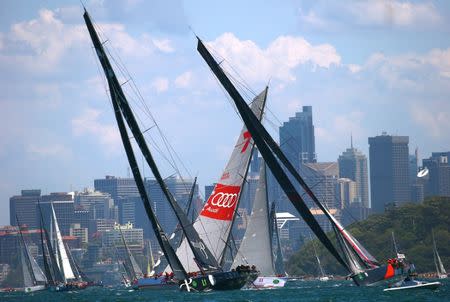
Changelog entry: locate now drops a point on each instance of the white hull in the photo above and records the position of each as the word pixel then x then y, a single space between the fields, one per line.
pixel 35 288
pixel 415 285
pixel 443 276
pixel 324 278
pixel 270 282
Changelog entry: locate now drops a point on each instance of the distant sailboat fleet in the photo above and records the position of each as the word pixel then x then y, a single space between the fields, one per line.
pixel 195 253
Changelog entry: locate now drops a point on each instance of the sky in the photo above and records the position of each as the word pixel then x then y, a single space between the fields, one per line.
pixel 365 67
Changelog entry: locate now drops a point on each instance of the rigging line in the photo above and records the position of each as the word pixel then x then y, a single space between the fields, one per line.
pixel 124 71
pixel 223 59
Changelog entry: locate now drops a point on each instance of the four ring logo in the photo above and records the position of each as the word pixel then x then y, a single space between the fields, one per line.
pixel 224 200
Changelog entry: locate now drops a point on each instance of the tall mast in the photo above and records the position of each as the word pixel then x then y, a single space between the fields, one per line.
pixel 256 129
pixel 264 143
pixel 115 91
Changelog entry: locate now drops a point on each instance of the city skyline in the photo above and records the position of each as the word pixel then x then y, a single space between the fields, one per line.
pixel 59 133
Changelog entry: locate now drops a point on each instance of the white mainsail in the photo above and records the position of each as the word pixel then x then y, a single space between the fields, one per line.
pixel 61 252
pixel 256 246
pixel 215 220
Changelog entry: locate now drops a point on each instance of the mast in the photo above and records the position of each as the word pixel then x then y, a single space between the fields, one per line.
pixel 57 276
pixel 264 143
pixel 202 254
pixel 47 271
pixel 115 90
pixel 437 260
pixel 321 272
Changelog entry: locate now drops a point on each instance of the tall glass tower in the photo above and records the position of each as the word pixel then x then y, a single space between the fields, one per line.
pixel 297 138
pixel 389 170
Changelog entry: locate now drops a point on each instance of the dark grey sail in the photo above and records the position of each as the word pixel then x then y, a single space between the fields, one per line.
pixel 117 94
pixel 256 245
pixel 134 268
pixel 279 264
pixel 37 275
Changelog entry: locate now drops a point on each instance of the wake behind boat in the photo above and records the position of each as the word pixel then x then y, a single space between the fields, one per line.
pixel 413 284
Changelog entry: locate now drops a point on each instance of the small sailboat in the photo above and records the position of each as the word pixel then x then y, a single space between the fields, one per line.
pixel 440 270
pixel 256 247
pixel 33 277
pixel 409 282
pixel 322 275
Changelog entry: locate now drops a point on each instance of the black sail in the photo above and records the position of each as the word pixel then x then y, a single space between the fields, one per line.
pixel 204 257
pixel 262 141
pixel 115 92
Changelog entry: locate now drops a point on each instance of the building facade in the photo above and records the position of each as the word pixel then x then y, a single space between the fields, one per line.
pixel 389 171
pixel 24 206
pixel 297 138
pixel 353 165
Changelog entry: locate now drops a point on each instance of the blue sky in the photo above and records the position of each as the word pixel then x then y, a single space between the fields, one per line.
pixel 364 66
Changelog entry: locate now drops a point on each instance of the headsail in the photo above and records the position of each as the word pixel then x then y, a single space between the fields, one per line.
pixel 215 219
pixel 256 245
pixel 64 263
pixel 132 264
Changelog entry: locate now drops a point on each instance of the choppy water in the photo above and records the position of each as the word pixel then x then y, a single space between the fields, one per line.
pixel 294 291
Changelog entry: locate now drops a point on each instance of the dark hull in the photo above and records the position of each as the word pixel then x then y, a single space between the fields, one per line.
pixel 222 281
pixel 379 275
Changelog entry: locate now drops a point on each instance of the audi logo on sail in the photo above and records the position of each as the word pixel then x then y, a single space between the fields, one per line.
pixel 224 200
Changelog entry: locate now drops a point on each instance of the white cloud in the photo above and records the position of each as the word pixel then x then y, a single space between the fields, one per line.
pixel 183 80
pixel 164 45
pixel 88 124
pixel 39 45
pixel 276 61
pixel 368 13
pixel 354 68
pixel 435 119
pixel 50 151
pixel 160 84
pixel 394 13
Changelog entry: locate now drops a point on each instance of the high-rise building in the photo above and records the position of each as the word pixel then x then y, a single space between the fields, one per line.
pixel 116 186
pixel 322 179
pixel 353 165
pixel 297 138
pixel 389 171
pixel 63 204
pixel 24 206
pixel 100 205
pixel 438 183
pixel 346 192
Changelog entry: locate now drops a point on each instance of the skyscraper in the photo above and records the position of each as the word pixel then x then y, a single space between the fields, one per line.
pixel 438 183
pixel 353 165
pixel 63 204
pixel 116 186
pixel 24 206
pixel 297 138
pixel 389 170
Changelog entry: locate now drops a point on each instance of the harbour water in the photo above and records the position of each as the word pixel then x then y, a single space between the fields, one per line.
pixel 294 291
